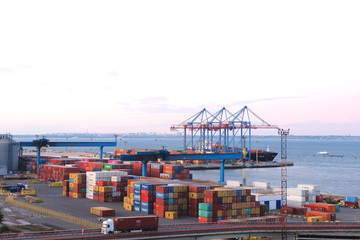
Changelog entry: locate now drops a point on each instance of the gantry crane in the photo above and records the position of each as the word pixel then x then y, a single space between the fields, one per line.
pixel 283 133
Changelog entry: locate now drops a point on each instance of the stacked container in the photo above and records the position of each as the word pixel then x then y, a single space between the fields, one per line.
pixel 225 203
pixel 272 201
pixel 56 172
pixel 77 185
pixel 196 196
pixel 137 168
pixel 155 170
pixel 120 183
pixel 352 202
pixel 129 200
pixel 103 193
pixel 92 179
pixel 102 211
pixel 171 201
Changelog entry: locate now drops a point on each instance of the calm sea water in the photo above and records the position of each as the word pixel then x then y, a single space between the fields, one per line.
pixel 335 175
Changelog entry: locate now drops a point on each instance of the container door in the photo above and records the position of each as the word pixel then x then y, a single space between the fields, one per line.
pixel 278 204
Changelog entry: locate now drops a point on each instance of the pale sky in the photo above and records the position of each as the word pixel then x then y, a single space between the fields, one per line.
pixel 142 66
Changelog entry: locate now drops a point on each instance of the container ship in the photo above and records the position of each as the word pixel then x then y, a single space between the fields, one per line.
pixel 262 155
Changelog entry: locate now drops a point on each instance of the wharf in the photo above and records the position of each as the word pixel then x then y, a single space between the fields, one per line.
pixel 236 166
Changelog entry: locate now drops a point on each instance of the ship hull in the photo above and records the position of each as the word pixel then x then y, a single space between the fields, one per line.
pixel 263 156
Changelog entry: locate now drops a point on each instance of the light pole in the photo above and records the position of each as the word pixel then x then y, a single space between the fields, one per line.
pixel 116 136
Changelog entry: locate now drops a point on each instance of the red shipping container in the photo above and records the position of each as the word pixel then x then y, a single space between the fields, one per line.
pixel 206 220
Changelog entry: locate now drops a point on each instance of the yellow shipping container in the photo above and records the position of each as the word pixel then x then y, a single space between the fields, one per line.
pixel 315 219
pixel 128 207
pixel 171 215
pixel 78 181
pixel 196 195
pixel 131 195
pixel 233 206
pixel 243 212
pixel 219 213
pixel 253 211
pixel 96 188
pixel 71 185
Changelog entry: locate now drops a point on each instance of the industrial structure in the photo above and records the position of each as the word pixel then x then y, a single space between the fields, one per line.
pixel 222 131
pixel 43 142
pixel 218 136
pixel 8 153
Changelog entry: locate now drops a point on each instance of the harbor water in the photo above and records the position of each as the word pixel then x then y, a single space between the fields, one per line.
pixel 336 173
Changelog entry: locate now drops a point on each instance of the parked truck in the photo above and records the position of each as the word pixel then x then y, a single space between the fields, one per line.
pixel 127 224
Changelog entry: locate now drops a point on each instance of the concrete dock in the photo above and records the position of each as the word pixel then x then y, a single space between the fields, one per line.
pixel 236 166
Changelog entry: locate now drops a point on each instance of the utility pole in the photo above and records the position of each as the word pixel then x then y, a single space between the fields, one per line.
pixel 116 136
pixel 283 133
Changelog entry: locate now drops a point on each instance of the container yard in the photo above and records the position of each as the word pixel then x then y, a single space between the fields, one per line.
pixel 115 191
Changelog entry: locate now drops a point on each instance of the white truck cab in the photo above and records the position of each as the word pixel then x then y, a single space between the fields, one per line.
pixel 107 226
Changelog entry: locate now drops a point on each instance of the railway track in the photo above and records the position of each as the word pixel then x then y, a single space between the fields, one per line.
pixel 187 230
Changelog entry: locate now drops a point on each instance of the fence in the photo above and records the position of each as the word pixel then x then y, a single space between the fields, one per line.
pixel 55 214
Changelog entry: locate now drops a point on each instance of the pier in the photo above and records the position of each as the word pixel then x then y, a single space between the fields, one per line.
pixel 236 166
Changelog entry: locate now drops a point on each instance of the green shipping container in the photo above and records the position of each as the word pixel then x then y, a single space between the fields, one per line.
pixel 205 206
pixel 203 213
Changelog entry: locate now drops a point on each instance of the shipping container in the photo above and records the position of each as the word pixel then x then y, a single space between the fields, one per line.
pixel 327 216
pixel 136 223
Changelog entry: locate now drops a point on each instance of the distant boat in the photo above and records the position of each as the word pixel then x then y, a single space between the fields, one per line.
pixel 323 152
pixel 326 154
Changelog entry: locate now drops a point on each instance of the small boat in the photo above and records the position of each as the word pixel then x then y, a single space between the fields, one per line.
pixel 323 153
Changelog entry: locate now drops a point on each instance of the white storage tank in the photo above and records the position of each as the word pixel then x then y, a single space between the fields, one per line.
pixel 9 150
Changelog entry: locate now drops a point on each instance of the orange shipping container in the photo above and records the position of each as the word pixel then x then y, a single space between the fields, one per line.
pixel 327 207
pixel 327 216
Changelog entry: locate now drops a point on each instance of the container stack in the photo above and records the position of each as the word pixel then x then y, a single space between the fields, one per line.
pixel 129 200
pixel 103 193
pixel 102 211
pixel 92 179
pixel 120 183
pixel 271 201
pixel 170 171
pixel 155 170
pixel 298 196
pixel 314 190
pixel 226 203
pixel 327 211
pixel 171 201
pixel 56 172
pixel 351 202
pixel 77 185
pixel 66 188
pixel 196 196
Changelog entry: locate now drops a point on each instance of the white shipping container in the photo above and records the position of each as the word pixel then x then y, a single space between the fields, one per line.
pixel 264 185
pixel 272 205
pixel 296 203
pixel 298 191
pixel 266 197
pixel 313 189
pixel 232 183
pixel 296 198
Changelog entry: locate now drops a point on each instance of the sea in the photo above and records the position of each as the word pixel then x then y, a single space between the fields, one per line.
pixel 339 174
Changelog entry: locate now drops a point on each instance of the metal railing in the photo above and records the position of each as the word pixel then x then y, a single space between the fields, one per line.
pixel 55 214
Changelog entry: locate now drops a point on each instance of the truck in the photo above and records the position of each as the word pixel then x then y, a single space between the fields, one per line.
pixel 128 224
pixel 14 188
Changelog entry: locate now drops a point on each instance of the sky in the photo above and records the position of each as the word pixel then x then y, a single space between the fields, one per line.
pixel 143 66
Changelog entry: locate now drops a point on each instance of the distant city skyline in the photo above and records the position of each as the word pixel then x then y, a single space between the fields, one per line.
pixel 143 66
